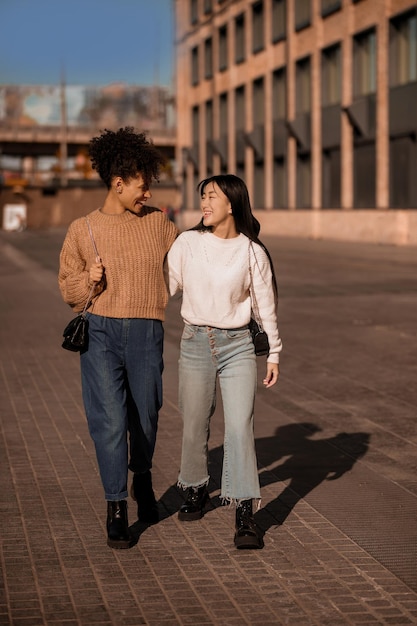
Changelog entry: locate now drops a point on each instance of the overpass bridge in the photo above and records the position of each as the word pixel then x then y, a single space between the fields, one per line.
pixel 41 140
pixel 23 147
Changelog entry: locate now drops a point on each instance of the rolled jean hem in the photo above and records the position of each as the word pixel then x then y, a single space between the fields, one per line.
pixel 235 502
pixel 183 485
pixel 110 497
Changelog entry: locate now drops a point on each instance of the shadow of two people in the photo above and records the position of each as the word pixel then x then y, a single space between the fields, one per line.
pixel 306 462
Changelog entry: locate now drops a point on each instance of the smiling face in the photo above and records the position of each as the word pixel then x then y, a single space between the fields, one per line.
pixel 217 210
pixel 133 194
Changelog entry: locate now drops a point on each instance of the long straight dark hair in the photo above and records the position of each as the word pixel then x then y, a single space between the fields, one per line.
pixel 235 190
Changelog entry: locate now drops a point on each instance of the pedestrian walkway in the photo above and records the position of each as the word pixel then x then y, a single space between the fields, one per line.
pixel 336 440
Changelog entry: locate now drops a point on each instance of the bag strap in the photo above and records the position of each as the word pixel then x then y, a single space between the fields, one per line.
pixel 98 260
pixel 255 308
pixel 92 239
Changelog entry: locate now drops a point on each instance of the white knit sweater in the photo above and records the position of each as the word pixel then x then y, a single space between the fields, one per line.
pixel 213 274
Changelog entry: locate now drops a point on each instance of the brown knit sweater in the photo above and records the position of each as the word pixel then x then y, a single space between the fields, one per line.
pixel 132 249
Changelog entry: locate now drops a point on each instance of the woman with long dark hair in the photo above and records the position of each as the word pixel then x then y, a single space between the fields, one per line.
pixel 222 268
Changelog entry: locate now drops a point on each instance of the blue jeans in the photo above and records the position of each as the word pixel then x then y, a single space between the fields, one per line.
pixel 207 354
pixel 121 374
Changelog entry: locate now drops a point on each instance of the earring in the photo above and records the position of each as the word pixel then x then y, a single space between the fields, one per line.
pixel 119 189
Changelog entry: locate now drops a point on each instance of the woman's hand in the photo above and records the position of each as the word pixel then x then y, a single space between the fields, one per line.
pixel 96 273
pixel 272 373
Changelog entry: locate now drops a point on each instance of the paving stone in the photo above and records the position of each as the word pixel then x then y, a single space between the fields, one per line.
pixel 336 448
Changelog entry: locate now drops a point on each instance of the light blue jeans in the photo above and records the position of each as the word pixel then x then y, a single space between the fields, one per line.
pixel 121 374
pixel 207 354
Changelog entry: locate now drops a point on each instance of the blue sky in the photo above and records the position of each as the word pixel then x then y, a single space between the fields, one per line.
pixel 92 42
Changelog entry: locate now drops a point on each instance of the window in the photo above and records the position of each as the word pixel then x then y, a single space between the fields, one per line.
pixel 240 48
pixel 403 49
pixel 258 102
pixel 208 58
pixel 195 126
pixel 209 137
pixel 224 123
pixel 223 48
pixel 193 11
pixel 240 128
pixel 207 7
pixel 364 63
pixel 194 66
pixel 330 6
pixel 303 86
pixel 303 198
pixel 224 131
pixel 278 20
pixel 258 37
pixel 331 75
pixel 302 14
pixel 279 95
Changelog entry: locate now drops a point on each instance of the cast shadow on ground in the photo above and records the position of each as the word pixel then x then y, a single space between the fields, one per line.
pixel 294 456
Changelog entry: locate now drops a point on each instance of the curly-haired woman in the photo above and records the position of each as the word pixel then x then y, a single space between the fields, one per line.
pixel 121 370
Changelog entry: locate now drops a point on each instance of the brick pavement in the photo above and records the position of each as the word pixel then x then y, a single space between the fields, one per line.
pixel 337 452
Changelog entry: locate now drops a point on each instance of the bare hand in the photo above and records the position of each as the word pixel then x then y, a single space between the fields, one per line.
pixel 272 373
pixel 96 272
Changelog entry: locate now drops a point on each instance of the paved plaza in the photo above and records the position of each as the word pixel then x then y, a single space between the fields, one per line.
pixel 337 451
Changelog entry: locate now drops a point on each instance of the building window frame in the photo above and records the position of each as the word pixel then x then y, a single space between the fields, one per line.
pixel 279 21
pixel 240 39
pixel 258 27
pixel 195 74
pixel 223 47
pixel 364 62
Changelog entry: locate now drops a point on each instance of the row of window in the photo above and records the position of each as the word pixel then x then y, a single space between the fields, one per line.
pixel 302 13
pixel 403 58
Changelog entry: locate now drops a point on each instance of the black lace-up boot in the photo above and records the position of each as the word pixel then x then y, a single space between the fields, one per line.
pixel 246 536
pixel 118 533
pixel 142 492
pixel 193 507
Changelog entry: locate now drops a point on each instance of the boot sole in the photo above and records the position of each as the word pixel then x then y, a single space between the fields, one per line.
pixel 248 542
pixel 190 517
pixel 120 545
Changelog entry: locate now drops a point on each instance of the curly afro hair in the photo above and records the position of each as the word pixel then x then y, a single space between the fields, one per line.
pixel 125 153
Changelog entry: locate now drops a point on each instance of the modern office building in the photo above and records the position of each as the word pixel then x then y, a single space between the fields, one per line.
pixel 312 102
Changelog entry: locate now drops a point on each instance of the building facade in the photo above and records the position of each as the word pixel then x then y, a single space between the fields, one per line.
pixel 312 102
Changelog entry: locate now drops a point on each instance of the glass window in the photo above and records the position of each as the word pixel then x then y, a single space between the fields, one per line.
pixel 303 86
pixel 194 66
pixel 364 63
pixel 331 75
pixel 330 6
pixel 278 20
pixel 302 14
pixel 223 48
pixel 209 137
pixel 208 58
pixel 279 94
pixel 207 8
pixel 258 102
pixel 193 11
pixel 403 49
pixel 240 49
pixel 195 126
pixel 258 36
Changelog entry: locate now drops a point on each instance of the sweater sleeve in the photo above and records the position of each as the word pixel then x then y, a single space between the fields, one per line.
pixel 263 292
pixel 174 267
pixel 73 273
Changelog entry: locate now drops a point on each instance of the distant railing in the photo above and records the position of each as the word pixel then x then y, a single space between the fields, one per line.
pixel 15 133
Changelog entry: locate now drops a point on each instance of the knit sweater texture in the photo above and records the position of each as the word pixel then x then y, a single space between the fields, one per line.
pixel 132 249
pixel 213 275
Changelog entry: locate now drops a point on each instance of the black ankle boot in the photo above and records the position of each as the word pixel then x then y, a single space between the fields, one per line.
pixel 118 534
pixel 142 492
pixel 193 507
pixel 246 536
